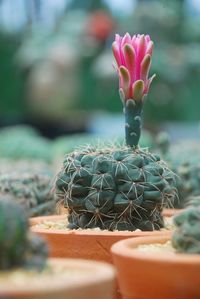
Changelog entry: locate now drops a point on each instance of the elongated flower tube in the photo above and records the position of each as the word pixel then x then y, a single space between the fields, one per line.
pixel 133 58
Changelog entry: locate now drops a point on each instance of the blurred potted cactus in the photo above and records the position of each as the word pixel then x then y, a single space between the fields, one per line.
pixel 119 188
pixel 24 257
pixel 183 158
pixel 162 267
pixel 31 190
pixel 24 142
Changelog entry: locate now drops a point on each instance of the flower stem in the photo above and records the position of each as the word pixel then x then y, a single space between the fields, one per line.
pixel 133 121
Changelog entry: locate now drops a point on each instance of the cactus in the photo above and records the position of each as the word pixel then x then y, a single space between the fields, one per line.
pixel 20 166
pixel 186 238
pixel 189 183
pixel 122 189
pixel 23 142
pixel 32 191
pixel 125 187
pixel 193 200
pixel 183 159
pixel 17 247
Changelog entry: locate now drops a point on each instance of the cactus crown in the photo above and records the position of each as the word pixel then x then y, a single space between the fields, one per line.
pixel 17 247
pixel 186 237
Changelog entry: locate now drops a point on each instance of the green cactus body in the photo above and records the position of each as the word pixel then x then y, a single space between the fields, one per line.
pixel 16 246
pixel 183 159
pixel 120 188
pixel 186 238
pixel 133 121
pixel 23 142
pixel 31 191
pixel 189 182
pixel 13 227
pixel 193 200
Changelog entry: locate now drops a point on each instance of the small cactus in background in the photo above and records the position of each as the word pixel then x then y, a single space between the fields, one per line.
pixel 8 166
pixel 186 238
pixel 32 191
pixel 193 200
pixel 183 158
pixel 17 247
pixel 123 187
pixel 23 142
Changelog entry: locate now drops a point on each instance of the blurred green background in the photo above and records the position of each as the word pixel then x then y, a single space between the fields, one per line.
pixel 56 63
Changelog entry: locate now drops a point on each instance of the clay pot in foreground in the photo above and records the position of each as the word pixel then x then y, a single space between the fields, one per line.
pixel 85 243
pixel 79 279
pixel 156 275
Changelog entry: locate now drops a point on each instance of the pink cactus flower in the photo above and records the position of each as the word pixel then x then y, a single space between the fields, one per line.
pixel 133 58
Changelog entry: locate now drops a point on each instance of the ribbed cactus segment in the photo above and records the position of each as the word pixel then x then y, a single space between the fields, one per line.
pixel 115 189
pixel 18 248
pixel 186 238
pixel 32 191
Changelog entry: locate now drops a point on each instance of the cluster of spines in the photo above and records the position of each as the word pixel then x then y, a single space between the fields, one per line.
pixel 115 189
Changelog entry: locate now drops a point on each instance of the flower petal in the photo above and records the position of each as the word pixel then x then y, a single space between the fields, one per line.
pixel 149 83
pixel 141 46
pixel 126 39
pixel 137 90
pixel 149 49
pixel 125 80
pixel 145 66
pixel 118 39
pixel 129 56
pixel 116 53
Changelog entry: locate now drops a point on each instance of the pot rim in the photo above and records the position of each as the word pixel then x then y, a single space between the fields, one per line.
pixel 99 272
pixel 36 220
pixel 128 248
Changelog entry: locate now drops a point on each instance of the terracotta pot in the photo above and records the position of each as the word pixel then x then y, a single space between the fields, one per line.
pixel 85 244
pixel 83 280
pixel 155 275
pixel 171 212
